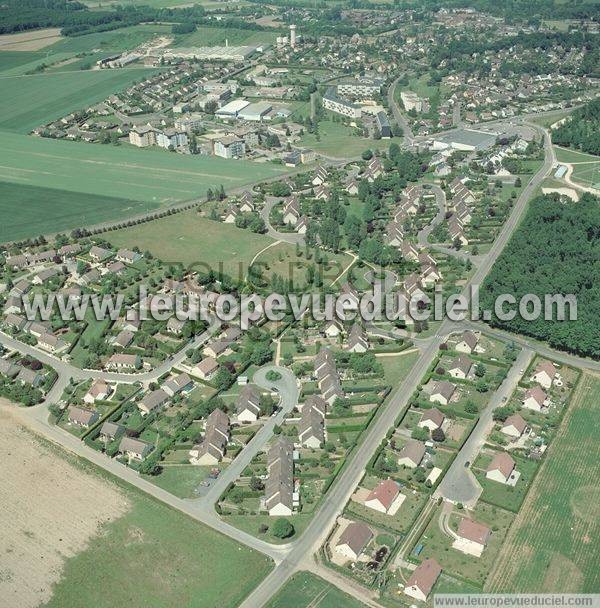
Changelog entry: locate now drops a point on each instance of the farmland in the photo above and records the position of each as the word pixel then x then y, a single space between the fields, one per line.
pixel 560 517
pixel 27 102
pixel 213 36
pixel 109 524
pixel 42 174
pixel 188 238
pixel 151 175
pixel 29 210
pixel 305 589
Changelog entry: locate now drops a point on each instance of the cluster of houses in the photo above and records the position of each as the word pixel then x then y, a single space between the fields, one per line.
pixel 281 495
pixel 214 443
pixel 459 206
pixel 326 373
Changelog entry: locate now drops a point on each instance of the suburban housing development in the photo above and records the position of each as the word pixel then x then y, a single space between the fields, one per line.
pixel 165 157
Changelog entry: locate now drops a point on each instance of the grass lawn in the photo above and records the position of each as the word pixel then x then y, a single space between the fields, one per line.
pixel 438 544
pixel 551 545
pixel 251 524
pixel 396 367
pixel 190 564
pixel 306 590
pixel 27 102
pixel 191 239
pixel 281 259
pixel 29 211
pixel 339 141
pixel 151 175
pixel 180 480
pixel 186 559
pixel 566 155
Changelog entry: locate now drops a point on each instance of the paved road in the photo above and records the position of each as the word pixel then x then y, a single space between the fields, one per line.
pixel 288 389
pixel 69 370
pixel 295 556
pixel 265 213
pixel 409 136
pixel 324 520
pixel 459 484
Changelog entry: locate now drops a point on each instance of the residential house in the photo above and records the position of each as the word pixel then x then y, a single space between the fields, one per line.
pixel 501 468
pixel 432 419
pixel 98 391
pixel 152 401
pixel 354 540
pixel 8 368
pixel 412 454
pixel 357 339
pixel 124 362
pixel 472 537
pixel 544 374
pixel 99 254
pixel 81 416
pixel 311 428
pixel 134 448
pixel 248 404
pixel 175 385
pixel 385 497
pixel 111 431
pixel 468 342
pixel 127 256
pixel 279 487
pixel 206 369
pixel 460 367
pixel 231 214
pixel 514 426
pixel 31 377
pixel 332 328
pixel 123 339
pixel 442 392
pixel 535 399
pixel 216 436
pixel 421 581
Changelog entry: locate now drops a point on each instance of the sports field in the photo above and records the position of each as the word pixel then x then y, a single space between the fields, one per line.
pixel 306 590
pixel 553 543
pixel 190 239
pixel 586 167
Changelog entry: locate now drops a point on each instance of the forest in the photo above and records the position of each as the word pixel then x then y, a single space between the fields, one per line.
pixel 555 250
pixel 582 130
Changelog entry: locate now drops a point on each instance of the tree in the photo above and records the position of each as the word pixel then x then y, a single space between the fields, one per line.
pixel 471 407
pixel 438 435
pixel 502 413
pixel 480 370
pixel 256 484
pixel 422 434
pixel 223 378
pixel 367 155
pixel 282 528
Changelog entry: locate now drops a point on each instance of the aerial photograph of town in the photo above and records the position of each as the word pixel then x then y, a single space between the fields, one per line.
pixel 299 303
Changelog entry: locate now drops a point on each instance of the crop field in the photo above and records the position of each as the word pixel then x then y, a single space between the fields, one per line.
pixel 27 102
pixel 306 590
pixel 190 239
pixel 552 545
pixel 216 36
pixel 108 523
pixel 29 41
pixel 28 211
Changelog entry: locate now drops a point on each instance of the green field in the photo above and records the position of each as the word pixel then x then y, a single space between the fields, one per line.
pixel 564 155
pixel 51 185
pixel 152 175
pixel 29 211
pixel 306 590
pixel 27 102
pixel 216 36
pixel 553 543
pixel 156 556
pixel 586 167
pixel 188 238
pixel 338 141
